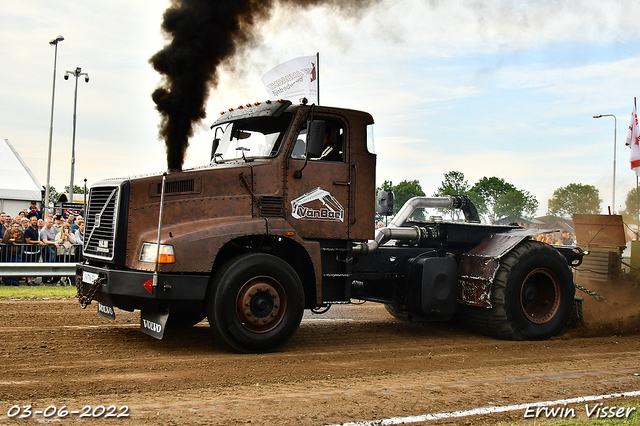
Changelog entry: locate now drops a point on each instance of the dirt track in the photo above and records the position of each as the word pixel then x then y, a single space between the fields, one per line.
pixel 355 363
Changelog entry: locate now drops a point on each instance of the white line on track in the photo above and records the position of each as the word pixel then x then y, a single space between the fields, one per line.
pixel 485 410
pixel 75 327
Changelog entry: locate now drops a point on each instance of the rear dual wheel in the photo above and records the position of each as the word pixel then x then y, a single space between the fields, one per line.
pixel 256 303
pixel 394 312
pixel 532 295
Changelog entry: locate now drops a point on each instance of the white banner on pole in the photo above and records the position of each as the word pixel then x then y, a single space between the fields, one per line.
pixel 633 139
pixel 294 80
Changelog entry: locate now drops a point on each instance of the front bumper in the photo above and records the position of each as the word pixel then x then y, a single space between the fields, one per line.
pixel 130 290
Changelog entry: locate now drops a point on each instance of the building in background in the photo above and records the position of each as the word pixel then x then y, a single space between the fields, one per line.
pixel 18 185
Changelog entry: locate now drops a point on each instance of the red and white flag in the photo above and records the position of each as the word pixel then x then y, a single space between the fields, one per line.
pixel 633 142
pixel 294 80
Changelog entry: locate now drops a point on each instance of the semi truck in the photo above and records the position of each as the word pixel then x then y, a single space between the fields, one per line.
pixel 281 219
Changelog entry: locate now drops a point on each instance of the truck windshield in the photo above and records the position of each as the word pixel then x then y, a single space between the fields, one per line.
pixel 252 137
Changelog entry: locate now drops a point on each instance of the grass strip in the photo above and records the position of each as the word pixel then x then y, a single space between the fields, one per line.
pixel 37 292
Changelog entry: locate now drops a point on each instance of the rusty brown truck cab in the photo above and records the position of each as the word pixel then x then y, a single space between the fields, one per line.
pixel 282 220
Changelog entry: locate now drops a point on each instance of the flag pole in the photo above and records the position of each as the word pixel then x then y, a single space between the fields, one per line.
pixel 637 194
pixel 318 74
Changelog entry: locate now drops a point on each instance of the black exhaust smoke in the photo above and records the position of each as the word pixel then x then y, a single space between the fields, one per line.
pixel 204 34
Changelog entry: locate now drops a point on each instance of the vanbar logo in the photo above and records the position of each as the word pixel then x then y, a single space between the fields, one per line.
pixel 317 204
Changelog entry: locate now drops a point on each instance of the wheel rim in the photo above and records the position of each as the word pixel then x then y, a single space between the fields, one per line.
pixel 540 296
pixel 261 304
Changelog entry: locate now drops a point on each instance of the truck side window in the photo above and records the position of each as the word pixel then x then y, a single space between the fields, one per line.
pixel 334 142
pixel 299 148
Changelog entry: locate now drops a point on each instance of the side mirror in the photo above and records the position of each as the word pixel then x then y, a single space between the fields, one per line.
pixel 214 146
pixel 315 138
pixel 385 203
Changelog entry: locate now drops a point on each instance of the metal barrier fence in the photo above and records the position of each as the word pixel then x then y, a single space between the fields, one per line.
pixel 33 260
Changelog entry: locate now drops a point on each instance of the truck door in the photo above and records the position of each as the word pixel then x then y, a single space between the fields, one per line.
pixel 318 201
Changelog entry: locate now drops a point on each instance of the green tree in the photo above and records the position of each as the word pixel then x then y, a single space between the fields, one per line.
pixel 387 185
pixel 402 192
pixel 516 203
pixel 53 194
pixel 574 198
pixel 454 183
pixel 485 194
pixel 495 198
pixel 631 203
pixel 76 189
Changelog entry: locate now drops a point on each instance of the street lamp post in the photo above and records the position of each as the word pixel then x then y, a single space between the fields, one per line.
pixel 77 73
pixel 615 127
pixel 53 42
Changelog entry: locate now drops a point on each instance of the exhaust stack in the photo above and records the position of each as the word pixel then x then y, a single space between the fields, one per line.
pixel 397 231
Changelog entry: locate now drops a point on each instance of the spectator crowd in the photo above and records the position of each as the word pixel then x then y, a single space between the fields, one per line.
pixel 28 237
pixel 566 238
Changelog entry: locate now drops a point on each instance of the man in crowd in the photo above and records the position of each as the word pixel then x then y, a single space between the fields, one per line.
pixel 33 210
pixel 57 225
pixel 11 237
pixel 3 228
pixel 71 219
pixel 32 236
pixel 79 234
pixel 566 238
pixel 5 224
pixel 48 238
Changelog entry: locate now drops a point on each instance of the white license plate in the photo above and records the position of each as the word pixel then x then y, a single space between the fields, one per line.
pixel 89 277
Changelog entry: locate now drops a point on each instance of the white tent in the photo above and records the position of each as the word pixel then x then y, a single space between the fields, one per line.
pixel 18 185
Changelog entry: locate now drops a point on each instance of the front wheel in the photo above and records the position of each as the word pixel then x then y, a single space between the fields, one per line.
pixel 532 295
pixel 256 303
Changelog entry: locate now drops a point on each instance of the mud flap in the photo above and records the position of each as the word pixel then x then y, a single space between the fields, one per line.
pixel 106 311
pixel 153 323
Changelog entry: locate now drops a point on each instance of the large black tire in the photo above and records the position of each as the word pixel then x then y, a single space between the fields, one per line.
pixel 256 303
pixel 392 311
pixel 532 295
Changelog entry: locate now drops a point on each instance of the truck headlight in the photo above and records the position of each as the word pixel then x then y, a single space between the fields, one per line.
pixel 149 250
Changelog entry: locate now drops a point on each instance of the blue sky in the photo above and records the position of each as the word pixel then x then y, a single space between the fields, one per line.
pixel 495 88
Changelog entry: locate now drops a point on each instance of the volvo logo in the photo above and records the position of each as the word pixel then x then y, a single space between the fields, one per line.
pixel 105 309
pixel 103 246
pixel 151 326
pixel 97 220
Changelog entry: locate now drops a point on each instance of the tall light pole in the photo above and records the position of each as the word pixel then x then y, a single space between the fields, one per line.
pixel 53 42
pixel 77 73
pixel 615 127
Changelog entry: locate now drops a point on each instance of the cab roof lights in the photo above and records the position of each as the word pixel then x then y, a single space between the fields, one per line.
pixel 268 102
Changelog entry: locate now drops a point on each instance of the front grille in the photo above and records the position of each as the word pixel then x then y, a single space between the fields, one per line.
pixel 271 206
pixel 100 223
